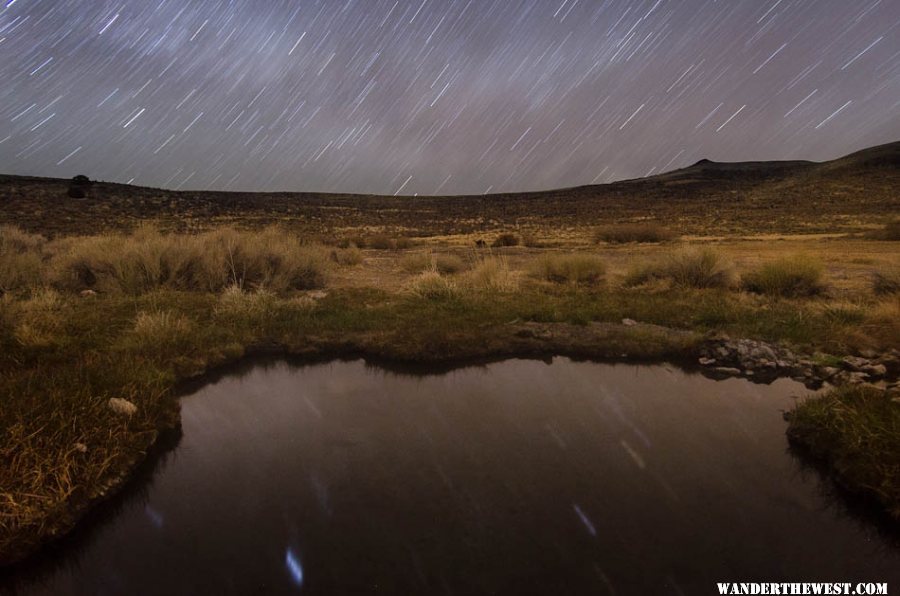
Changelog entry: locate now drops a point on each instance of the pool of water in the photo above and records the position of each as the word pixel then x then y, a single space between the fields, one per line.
pixel 517 477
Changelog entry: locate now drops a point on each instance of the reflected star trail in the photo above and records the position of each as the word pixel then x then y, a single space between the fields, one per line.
pixel 436 96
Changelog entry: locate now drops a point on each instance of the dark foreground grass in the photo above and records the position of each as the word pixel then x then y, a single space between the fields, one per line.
pixel 856 432
pixel 63 356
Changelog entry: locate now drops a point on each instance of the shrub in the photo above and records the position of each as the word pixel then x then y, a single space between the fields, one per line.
pixel 633 232
pixel 886 281
pixel 431 285
pixel 506 239
pixel 20 259
pixel 570 268
pixel 423 261
pixel 493 274
pixel 787 277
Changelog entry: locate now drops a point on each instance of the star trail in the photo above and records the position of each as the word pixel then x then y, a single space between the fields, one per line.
pixel 436 96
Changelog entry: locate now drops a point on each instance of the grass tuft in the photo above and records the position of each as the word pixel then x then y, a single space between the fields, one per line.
pixel 422 261
pixel 789 277
pixel 431 285
pixel 577 268
pixel 494 275
pixel 687 268
pixel 856 430
pixel 41 320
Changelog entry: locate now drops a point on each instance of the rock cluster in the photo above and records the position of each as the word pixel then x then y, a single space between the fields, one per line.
pixel 747 357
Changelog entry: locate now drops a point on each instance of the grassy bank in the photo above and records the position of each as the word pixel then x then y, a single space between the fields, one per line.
pixel 84 320
pixel 855 431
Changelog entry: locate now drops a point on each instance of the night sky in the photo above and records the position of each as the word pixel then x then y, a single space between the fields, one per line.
pixel 436 96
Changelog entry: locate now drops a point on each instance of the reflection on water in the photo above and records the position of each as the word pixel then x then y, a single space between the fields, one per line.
pixel 514 478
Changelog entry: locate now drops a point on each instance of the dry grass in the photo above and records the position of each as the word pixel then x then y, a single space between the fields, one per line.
pixel 687 268
pixel 493 274
pixel 787 277
pixel 147 260
pixel 431 285
pixel 506 239
pixel 886 281
pixel 576 268
pixel 423 261
pixel 633 232
pixel 162 330
pixel 20 259
pixel 235 303
pixel 40 320
pixel 347 257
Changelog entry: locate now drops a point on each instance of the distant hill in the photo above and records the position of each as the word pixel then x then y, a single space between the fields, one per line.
pixel 708 197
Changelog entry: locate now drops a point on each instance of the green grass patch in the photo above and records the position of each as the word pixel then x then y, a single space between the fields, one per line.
pixel 856 431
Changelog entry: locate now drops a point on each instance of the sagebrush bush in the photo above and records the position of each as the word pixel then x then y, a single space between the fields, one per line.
pixel 506 239
pixel 21 256
pixel 789 277
pixel 432 285
pixel 423 261
pixel 570 268
pixel 633 232
pixel 493 274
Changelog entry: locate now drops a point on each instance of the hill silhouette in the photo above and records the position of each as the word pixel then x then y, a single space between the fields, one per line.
pixel 708 197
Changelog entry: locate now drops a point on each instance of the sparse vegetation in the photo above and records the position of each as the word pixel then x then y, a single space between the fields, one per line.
pixel 575 268
pixel 423 261
pixel 20 259
pixel 633 232
pixel 788 277
pixel 856 431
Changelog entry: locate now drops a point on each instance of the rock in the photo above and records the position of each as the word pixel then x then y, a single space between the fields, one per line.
pixel 706 361
pixel 868 354
pixel 81 447
pixel 827 372
pixel 875 371
pixel 122 406
pixel 317 294
pixel 722 352
pixel 87 293
pixel 854 363
pixel 629 322
pixel 767 364
pixel 727 370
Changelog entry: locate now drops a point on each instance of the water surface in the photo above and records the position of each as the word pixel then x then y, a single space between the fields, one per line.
pixel 518 477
